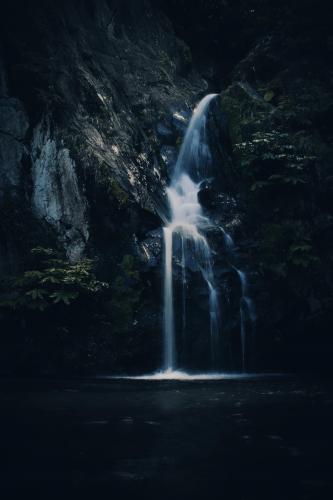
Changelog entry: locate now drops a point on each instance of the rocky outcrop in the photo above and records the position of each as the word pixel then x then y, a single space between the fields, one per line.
pixel 107 79
pixel 107 87
pixel 281 132
pixel 13 128
pixel 14 124
pixel 56 196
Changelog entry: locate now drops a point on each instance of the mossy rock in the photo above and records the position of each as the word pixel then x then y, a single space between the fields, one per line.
pixel 118 192
pixel 242 109
pixel 269 96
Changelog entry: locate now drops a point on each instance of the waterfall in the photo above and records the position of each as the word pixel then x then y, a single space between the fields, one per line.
pixel 188 222
pixel 169 328
pixel 194 155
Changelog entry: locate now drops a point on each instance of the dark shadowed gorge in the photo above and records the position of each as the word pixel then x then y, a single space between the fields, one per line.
pixel 95 97
pixel 134 238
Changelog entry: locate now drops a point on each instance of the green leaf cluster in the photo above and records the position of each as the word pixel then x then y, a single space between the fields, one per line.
pixel 284 247
pixel 301 254
pixel 54 280
pixel 277 179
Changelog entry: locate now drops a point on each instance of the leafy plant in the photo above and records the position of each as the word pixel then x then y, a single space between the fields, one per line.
pixel 54 281
pixel 276 179
pixel 300 254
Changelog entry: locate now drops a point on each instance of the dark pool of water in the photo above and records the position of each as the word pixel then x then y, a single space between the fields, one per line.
pixel 117 439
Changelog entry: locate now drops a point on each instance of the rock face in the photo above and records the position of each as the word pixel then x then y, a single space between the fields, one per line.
pixel 56 196
pixel 94 100
pixel 107 87
pixel 14 125
pixel 106 76
pixel 279 123
pixel 13 128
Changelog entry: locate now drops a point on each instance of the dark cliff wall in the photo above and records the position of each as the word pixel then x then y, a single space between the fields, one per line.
pixel 93 79
pixel 274 64
pixel 94 99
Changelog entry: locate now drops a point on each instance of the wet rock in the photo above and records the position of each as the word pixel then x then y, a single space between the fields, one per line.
pixel 112 111
pixel 150 248
pixel 165 134
pixel 11 155
pixel 56 194
pixel 180 120
pixel 14 120
pixel 169 156
pixel 13 127
pixel 208 194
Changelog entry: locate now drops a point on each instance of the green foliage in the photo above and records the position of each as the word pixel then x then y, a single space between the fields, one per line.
pixel 113 187
pixel 301 254
pixel 127 266
pixel 258 185
pixel 278 179
pixel 269 95
pixel 54 280
pixel 285 247
pixel 274 241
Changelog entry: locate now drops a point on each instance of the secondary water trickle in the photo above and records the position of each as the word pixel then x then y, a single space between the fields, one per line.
pixel 246 310
pixel 246 306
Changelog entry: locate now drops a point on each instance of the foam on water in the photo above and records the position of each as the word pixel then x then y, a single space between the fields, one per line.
pixel 182 376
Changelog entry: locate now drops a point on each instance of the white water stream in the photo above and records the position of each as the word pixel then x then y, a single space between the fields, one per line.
pixel 188 223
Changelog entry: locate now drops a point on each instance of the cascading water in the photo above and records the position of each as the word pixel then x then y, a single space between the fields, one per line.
pixel 188 223
pixel 246 307
pixel 169 328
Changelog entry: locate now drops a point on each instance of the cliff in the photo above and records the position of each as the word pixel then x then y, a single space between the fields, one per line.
pixel 94 100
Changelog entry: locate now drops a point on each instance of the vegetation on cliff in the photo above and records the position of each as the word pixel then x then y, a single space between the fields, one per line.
pixel 94 100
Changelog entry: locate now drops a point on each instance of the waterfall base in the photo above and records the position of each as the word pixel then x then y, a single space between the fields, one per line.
pixel 180 375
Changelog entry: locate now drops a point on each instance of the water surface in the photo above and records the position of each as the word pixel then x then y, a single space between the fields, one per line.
pixel 248 438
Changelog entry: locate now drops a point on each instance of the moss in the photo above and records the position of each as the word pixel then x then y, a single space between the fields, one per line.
pixel 241 109
pixel 112 185
pixel 118 192
pixel 128 267
pixel 269 95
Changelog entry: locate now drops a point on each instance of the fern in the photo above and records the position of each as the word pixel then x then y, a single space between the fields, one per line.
pixel 54 281
pixel 63 296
